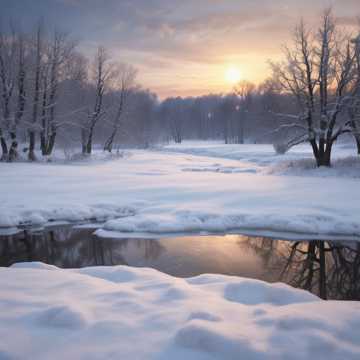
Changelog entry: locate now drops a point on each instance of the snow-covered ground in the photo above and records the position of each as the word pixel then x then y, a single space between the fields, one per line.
pixel 131 313
pixel 192 187
pixel 136 313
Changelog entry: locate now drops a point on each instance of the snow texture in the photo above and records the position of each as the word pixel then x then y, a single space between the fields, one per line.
pixel 137 313
pixel 192 187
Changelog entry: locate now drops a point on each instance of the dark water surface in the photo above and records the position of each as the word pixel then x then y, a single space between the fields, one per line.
pixel 330 269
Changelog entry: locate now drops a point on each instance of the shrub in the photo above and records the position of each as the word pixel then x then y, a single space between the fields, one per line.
pixel 281 148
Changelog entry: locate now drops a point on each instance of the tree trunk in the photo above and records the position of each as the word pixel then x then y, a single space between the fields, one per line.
pixel 226 130
pixel 328 154
pixel 51 143
pixel 357 140
pixel 52 102
pixel 241 130
pixel 110 141
pixel 4 148
pixel 322 270
pixel 21 100
pixel 32 139
pixel 323 155
pixel 310 266
pixel 31 154
pixel 83 141
pixel 13 152
pixel 323 160
pixel 44 121
pixel 88 149
pixel 42 143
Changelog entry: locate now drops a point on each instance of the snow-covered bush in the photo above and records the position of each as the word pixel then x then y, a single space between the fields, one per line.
pixel 281 148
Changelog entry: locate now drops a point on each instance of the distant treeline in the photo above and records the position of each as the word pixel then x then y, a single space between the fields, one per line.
pixel 54 96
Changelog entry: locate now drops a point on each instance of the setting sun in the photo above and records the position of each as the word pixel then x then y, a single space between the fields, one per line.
pixel 232 75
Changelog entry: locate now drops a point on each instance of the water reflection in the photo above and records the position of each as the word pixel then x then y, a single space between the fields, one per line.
pixel 328 268
pixel 331 269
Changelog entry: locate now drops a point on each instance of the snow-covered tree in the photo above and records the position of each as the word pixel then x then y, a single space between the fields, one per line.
pixel 318 72
pixel 354 97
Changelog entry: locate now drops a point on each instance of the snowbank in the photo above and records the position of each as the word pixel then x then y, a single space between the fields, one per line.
pixel 181 190
pixel 195 222
pixel 261 158
pixel 137 313
pixel 348 167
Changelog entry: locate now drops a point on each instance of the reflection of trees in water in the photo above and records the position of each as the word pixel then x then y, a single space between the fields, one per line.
pixel 346 271
pixel 305 266
pixel 328 268
pixel 68 247
pixel 152 248
pixel 269 250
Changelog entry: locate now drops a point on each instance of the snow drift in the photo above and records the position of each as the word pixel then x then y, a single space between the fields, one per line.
pixel 138 313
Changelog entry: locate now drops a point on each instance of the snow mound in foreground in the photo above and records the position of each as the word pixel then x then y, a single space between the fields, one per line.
pixel 137 313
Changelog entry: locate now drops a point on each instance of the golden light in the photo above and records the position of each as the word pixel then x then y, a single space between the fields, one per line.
pixel 232 75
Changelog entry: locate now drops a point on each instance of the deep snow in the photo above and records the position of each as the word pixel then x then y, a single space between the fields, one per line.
pixel 132 313
pixel 190 187
pixel 136 313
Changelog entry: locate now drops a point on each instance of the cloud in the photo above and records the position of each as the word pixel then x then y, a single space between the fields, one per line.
pixel 171 37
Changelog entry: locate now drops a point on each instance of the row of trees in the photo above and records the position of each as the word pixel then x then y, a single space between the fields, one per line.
pixel 48 87
pixel 249 114
pixel 312 96
pixel 31 70
pixel 51 95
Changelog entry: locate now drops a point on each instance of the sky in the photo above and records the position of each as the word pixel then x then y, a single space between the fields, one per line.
pixel 182 47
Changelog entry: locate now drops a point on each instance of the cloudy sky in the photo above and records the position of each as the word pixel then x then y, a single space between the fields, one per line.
pixel 181 47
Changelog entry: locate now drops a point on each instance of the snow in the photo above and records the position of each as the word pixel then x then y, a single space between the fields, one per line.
pixel 341 167
pixel 139 313
pixel 263 159
pixel 192 187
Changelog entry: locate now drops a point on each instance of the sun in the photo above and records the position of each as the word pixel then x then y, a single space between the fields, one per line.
pixel 232 75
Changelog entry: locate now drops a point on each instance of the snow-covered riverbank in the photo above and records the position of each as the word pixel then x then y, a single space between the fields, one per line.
pixel 130 313
pixel 179 189
pixel 136 313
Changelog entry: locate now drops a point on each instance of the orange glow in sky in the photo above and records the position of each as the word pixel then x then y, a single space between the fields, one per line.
pixel 184 47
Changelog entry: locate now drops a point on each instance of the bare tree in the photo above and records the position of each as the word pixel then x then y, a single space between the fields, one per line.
pixel 7 79
pixel 13 94
pixel 58 53
pixel 21 96
pixel 38 47
pixel 176 126
pixel 102 74
pixel 354 98
pixel 317 72
pixel 172 111
pixel 226 111
pixel 126 77
pixel 245 91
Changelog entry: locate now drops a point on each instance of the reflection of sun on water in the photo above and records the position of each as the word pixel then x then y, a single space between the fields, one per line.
pixel 232 75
